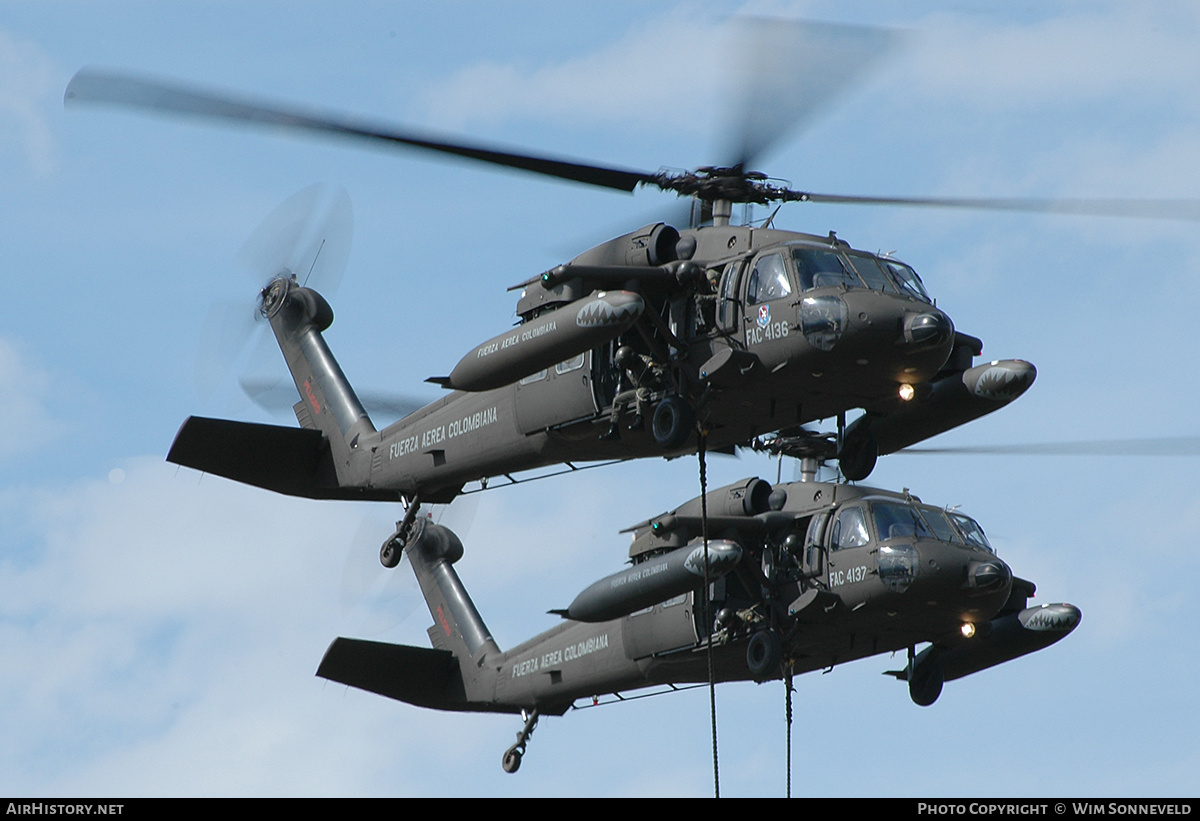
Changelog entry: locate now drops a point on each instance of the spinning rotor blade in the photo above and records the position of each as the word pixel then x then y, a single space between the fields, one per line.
pixel 308 235
pixel 378 598
pixel 787 73
pixel 276 396
pixel 95 86
pixel 791 72
pixel 1167 446
pixel 1169 209
pixel 373 598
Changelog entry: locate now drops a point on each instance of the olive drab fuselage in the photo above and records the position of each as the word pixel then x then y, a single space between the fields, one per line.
pixel 799 577
pixel 760 345
pixel 618 355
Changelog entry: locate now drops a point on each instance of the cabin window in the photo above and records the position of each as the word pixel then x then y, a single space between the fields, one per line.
pixel 573 364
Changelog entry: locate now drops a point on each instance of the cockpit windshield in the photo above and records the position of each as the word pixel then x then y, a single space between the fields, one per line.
pixel 819 268
pixel 896 520
pixel 824 267
pixel 971 531
pixel 868 268
pixel 907 279
pixel 940 524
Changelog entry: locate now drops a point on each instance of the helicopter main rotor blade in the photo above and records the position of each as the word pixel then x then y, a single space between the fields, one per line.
pixel 1168 446
pixel 787 73
pixel 1170 209
pixel 731 183
pixel 115 88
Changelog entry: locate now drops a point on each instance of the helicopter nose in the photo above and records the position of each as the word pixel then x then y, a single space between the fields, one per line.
pixel 927 330
pixel 989 576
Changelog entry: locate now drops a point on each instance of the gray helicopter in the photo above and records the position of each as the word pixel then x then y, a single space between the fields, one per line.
pixel 630 348
pixel 618 352
pixel 800 577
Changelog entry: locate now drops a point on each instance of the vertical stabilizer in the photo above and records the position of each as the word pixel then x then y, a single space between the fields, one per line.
pixel 327 402
pixel 457 625
pixel 456 673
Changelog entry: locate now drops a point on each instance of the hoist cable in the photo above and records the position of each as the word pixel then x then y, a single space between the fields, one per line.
pixel 708 620
pixel 787 683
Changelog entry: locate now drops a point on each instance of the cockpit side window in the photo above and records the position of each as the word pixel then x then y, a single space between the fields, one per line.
pixel 819 268
pixel 768 281
pixel 850 529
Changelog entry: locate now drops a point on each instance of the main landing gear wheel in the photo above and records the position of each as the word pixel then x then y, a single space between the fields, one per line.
pixel 672 422
pixel 858 456
pixel 764 654
pixel 925 679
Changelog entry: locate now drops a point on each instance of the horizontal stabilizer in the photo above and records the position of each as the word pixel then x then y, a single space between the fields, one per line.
pixel 294 461
pixel 417 675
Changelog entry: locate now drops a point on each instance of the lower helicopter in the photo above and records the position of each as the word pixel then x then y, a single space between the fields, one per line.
pixel 801 576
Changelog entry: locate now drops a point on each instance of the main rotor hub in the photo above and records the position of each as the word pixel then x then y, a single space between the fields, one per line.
pixel 731 183
pixel 807 444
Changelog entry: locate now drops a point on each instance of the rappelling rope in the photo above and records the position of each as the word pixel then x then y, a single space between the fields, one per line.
pixel 787 683
pixel 708 621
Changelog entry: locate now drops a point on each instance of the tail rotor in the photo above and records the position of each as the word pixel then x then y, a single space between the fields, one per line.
pixel 308 237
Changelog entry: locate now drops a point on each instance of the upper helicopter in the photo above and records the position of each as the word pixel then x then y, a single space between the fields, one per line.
pixel 620 351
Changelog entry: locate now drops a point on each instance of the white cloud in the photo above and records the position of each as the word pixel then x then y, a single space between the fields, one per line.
pixel 161 636
pixel 633 82
pixel 28 424
pixel 1072 57
pixel 28 85
pixel 142 607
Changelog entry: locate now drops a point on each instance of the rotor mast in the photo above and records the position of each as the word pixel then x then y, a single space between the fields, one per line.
pixel 721 212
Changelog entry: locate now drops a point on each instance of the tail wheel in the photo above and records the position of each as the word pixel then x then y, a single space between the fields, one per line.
pixel 672 423
pixel 512 760
pixel 391 553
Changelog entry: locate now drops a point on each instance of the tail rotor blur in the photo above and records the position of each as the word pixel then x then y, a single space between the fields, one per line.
pixel 308 236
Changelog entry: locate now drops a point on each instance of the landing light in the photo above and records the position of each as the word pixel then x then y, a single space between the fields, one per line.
pixel 968 630
pixel 907 392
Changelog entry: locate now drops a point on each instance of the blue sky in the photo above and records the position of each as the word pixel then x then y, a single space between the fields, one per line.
pixel 160 629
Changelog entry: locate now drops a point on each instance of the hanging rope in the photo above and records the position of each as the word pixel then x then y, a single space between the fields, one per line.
pixel 708 620
pixel 787 683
